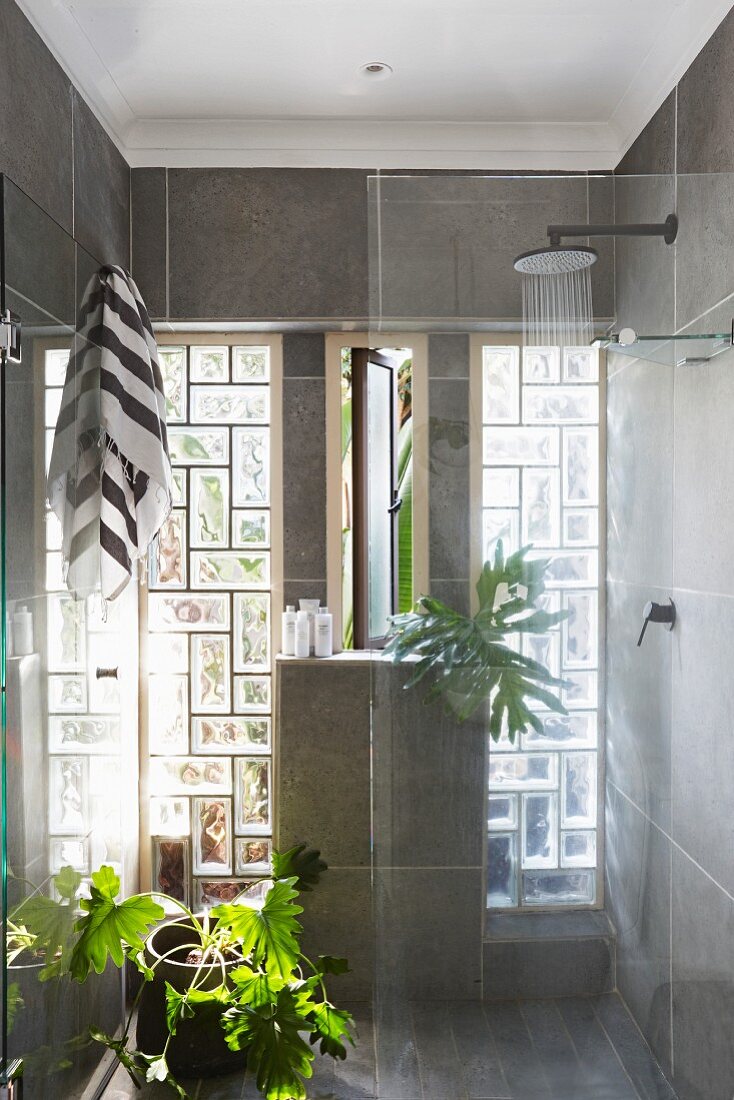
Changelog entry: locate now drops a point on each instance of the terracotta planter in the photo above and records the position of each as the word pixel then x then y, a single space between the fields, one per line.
pixel 198 1048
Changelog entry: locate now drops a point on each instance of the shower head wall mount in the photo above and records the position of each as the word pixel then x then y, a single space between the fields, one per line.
pixel 558 259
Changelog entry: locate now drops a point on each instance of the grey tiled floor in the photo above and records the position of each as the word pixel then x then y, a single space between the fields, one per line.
pixel 568 1049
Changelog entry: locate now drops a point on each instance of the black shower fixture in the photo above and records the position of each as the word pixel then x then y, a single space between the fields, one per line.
pixel 558 260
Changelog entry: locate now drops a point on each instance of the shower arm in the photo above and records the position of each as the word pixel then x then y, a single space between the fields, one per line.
pixel 668 230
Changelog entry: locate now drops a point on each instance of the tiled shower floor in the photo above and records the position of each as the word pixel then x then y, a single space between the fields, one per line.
pixel 568 1049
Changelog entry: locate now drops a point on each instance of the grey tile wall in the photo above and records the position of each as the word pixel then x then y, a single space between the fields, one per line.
pixel 53 148
pixel 149 260
pixel 670 806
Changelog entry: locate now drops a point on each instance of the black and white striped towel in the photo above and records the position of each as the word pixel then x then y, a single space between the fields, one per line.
pixel 109 479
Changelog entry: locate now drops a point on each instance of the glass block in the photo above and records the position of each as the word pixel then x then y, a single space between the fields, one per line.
pixel 178 488
pixel 103 616
pixel 580 364
pixel 521 446
pixel 530 771
pixel 228 569
pixel 180 775
pixel 540 830
pixel 199 446
pixel 250 364
pixel 169 817
pixel 583 690
pixel 170 860
pixel 541 507
pixel 67 694
pixel 579 797
pixel 551 888
pixel 56 360
pixel 581 527
pixel 230 404
pixel 212 836
pixel 83 734
pixel 250 528
pixel 252 694
pixel 581 466
pixel 211 892
pixel 580 631
pixel 187 612
pixel 69 852
pixel 209 364
pixel 569 568
pixel 52 407
pixel 545 648
pixel 501 385
pixel 500 523
pixel 251 465
pixel 66 634
pixel 172 362
pixel 252 856
pixel 252 632
pixel 168 708
pixel 231 735
pixel 68 795
pixel 210 673
pixel 168 553
pixel 168 653
pixel 578 849
pixel 53 532
pixel 501 487
pixel 560 405
pixel 502 870
pixel 502 812
pixel 541 364
pixel 564 731
pixel 252 795
pixel 209 508
pixel 104 691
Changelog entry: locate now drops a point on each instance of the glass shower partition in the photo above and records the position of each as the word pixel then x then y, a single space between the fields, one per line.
pixel 69 759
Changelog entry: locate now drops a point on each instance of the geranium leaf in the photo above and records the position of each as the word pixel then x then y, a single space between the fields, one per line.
pixel 108 927
pixel 269 934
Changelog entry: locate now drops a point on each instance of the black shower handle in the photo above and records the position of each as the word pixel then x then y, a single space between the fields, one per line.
pixel 657 613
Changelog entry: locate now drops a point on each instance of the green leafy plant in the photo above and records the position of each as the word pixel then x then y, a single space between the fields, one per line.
pixel 470 658
pixel 270 994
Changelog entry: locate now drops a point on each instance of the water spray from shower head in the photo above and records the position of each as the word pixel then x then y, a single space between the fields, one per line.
pixel 556 260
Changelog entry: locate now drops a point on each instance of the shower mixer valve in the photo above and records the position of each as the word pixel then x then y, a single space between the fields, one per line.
pixel 657 613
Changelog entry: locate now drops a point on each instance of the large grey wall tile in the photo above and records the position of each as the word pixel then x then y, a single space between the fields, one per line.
pixel 268 243
pixel 39 261
pixel 449 506
pixel 337 920
pixel 547 968
pixel 704 471
pixel 304 488
pixel 428 777
pixel 149 250
pixel 703 725
pixel 703 985
pixel 35 117
pixel 601 212
pixel 653 151
pixel 428 929
pixel 448 355
pixel 293 591
pixel 638 701
pixel 705 271
pixel 456 594
pixel 638 902
pixel 101 190
pixel 639 472
pixel 303 355
pixel 706 106
pixel 645 266
pixel 324 738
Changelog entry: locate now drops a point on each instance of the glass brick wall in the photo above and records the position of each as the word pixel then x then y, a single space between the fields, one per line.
pixel 540 469
pixel 209 630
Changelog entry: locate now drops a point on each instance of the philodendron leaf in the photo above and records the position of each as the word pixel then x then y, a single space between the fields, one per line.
pixel 182 1006
pixel 255 987
pixel 331 1026
pixel 268 935
pixel 330 964
pixel 158 1071
pixel 276 1052
pixel 127 1058
pixel 108 928
pixel 302 863
pixel 67 881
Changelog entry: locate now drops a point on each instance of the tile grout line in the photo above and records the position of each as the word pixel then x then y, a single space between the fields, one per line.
pixel 673 571
pixel 616 1052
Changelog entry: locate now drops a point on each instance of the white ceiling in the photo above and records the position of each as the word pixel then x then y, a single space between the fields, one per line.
pixel 564 84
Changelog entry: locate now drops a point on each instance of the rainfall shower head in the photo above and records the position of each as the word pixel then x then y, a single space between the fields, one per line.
pixel 556 260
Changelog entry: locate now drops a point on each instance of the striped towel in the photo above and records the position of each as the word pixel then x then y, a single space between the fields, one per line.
pixel 109 480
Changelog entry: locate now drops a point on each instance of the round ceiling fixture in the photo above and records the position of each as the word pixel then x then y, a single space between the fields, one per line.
pixel 376 70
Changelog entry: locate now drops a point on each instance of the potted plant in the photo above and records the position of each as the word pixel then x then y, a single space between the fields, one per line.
pixel 219 989
pixel 471 658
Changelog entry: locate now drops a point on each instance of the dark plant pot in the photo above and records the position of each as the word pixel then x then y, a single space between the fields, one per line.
pixel 198 1048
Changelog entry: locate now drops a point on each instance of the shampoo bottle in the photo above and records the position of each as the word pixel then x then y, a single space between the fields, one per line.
pixel 324 640
pixel 288 640
pixel 303 649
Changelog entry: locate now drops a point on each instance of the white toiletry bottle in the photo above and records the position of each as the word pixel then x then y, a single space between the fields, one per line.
pixel 311 606
pixel 303 649
pixel 22 632
pixel 288 641
pixel 324 633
